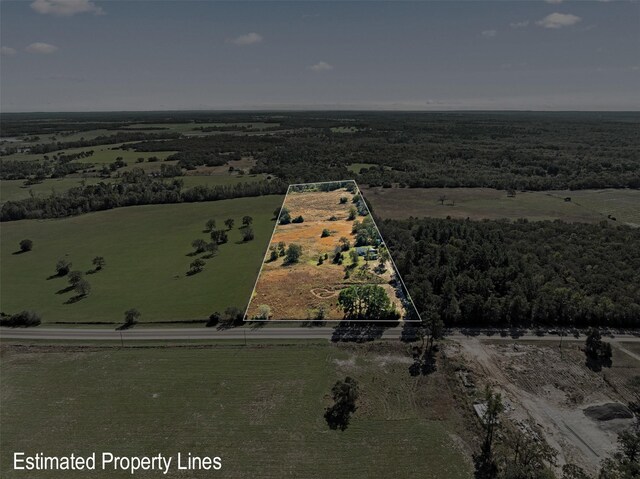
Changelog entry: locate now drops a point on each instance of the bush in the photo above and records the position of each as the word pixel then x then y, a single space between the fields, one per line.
pixel 325 233
pixel 63 267
pixel 24 319
pixel 294 252
pixel 26 245
pixel 298 219
pixel 247 234
pixel 214 319
pixel 343 200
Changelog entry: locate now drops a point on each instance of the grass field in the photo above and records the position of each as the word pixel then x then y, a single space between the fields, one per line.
pixel 260 408
pixel 102 154
pixel 146 250
pixel 13 190
pixel 587 206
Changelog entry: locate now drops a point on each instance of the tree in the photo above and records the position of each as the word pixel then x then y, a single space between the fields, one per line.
pixel 355 257
pixel 23 319
pixel 298 219
pixel 485 462
pixel 98 263
pixel 274 255
pixel 196 266
pixel 343 200
pixel 344 243
pixel 625 463
pixel 62 267
pixel 293 254
pixel 352 213
pixel 211 248
pixel 320 260
pixel 219 236
pixel 210 225
pixel 26 245
pixel 247 220
pixel 199 245
pixel 131 317
pixel 82 287
pixel 598 352
pixel 325 233
pixel 74 277
pixel 282 248
pixel 285 216
pixel 442 199
pixel 229 223
pixel 368 301
pixel 345 394
pixel 276 213
pixel 247 234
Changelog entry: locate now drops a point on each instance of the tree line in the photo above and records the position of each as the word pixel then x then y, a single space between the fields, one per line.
pixel 134 188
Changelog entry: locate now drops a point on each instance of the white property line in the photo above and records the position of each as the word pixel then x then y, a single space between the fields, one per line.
pixel 395 268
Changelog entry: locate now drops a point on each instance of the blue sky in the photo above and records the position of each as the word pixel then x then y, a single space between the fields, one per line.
pixel 77 55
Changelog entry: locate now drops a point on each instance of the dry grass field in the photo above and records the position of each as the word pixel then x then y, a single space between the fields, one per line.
pixel 300 290
pixel 586 206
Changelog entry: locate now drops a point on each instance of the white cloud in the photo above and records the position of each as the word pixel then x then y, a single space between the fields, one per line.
pixel 554 1
pixel 558 20
pixel 321 67
pixel 65 8
pixel 8 51
pixel 248 39
pixel 488 33
pixel 522 24
pixel 43 48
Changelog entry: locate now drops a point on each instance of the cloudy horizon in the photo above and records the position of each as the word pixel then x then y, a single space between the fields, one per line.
pixel 83 55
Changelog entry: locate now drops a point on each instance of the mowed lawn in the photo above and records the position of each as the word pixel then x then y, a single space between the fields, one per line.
pixel 260 408
pixel 146 251
pixel 586 206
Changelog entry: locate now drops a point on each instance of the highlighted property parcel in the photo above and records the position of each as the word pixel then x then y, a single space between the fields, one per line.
pixel 327 261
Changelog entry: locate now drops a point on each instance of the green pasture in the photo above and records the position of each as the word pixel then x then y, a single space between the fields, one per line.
pixel 258 407
pixel 146 249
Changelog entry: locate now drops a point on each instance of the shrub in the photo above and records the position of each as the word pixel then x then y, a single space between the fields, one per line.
pixel 23 319
pixel 63 267
pixel 325 233
pixel 298 219
pixel 26 245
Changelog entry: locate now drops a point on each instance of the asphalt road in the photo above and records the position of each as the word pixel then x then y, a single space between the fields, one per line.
pixel 328 333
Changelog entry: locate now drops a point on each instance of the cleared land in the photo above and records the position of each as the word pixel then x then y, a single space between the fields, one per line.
pixel 147 252
pixel 547 391
pixel 586 206
pixel 300 290
pixel 258 407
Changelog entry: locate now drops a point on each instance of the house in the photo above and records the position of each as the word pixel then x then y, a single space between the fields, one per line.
pixel 367 251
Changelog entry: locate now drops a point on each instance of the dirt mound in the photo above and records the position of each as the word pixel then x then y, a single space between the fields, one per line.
pixel 609 411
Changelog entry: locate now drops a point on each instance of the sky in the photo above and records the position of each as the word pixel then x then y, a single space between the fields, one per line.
pixel 85 55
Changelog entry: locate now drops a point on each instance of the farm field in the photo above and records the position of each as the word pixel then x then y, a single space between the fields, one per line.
pixel 340 248
pixel 259 407
pixel 586 206
pixel 146 249
pixel 102 154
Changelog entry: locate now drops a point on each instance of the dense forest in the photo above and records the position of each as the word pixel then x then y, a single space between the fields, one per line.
pixel 519 150
pixel 496 273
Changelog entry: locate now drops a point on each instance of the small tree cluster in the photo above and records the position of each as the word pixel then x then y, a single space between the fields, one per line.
pixel 23 319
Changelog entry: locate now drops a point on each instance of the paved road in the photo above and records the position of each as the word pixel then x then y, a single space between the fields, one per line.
pixel 265 332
